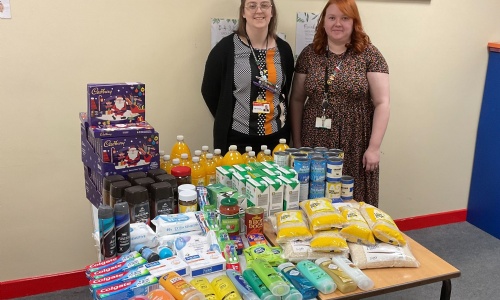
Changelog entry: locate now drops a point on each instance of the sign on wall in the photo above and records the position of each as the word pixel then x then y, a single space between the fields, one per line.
pixel 306 28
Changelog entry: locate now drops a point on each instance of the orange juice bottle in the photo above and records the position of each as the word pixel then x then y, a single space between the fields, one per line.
pixel 175 162
pixel 251 157
pixel 282 146
pixel 210 166
pixel 198 153
pixel 166 165
pixel 185 160
pixel 162 152
pixel 218 157
pixel 267 156
pixel 232 157
pixel 180 147
pixel 204 152
pixel 261 153
pixel 245 155
pixel 197 172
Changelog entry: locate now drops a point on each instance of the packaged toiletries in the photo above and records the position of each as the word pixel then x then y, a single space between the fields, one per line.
pixel 203 285
pixel 179 288
pixel 319 278
pixel 345 284
pixel 129 289
pixel 159 295
pixel 109 262
pixel 119 267
pixel 97 284
pixel 301 283
pixel 270 278
pixel 166 265
pixel 294 294
pixel 242 285
pixel 362 281
pixel 225 289
pixel 258 286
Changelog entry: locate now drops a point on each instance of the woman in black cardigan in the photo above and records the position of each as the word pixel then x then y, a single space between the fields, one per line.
pixel 247 80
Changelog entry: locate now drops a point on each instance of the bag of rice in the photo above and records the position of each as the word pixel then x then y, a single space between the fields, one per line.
pixel 296 251
pixel 382 225
pixel 322 215
pixel 328 241
pixel 357 230
pixel 382 255
pixel 291 225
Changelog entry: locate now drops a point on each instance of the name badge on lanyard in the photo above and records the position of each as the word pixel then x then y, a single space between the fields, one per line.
pixel 261 107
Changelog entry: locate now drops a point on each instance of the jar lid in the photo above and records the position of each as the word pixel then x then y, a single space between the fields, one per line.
pixel 116 188
pixel 161 190
pixel 145 182
pixel 155 172
pixel 167 178
pixel 187 195
pixel 112 178
pixel 136 194
pixel 180 171
pixel 133 175
pixel 229 201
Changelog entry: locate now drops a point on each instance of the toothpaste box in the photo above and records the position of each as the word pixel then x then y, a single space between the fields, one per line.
pixel 110 262
pixel 205 263
pixel 119 267
pixel 291 192
pixel 258 194
pixel 97 284
pixel 115 103
pixel 170 264
pixel 128 289
pixel 223 175
pixel 276 189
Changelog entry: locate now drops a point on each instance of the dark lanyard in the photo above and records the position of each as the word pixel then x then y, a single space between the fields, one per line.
pixel 255 56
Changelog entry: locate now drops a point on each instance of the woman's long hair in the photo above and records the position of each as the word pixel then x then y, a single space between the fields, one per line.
pixel 271 28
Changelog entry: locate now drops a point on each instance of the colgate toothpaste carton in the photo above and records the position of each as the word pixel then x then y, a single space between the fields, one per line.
pixel 110 262
pixel 129 289
pixel 119 267
pixel 97 284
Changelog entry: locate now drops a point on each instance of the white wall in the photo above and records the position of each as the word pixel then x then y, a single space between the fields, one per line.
pixel 50 50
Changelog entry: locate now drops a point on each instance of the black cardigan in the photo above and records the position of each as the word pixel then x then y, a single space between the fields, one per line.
pixel 218 83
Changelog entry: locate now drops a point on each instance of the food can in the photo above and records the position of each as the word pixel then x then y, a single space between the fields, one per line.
pixel 320 149
pixel 254 220
pixel 281 158
pixel 316 189
pixel 339 152
pixel 318 169
pixel 295 155
pixel 334 168
pixel 333 190
pixel 290 152
pixel 307 150
pixel 302 166
pixel 347 187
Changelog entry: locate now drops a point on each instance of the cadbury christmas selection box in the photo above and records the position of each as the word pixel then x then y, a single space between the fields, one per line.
pixel 110 104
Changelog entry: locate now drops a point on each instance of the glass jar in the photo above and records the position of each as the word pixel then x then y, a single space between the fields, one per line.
pixel 182 174
pixel 230 216
pixel 188 201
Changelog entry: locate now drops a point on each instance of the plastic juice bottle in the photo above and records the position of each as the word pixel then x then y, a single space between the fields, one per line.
pixel 162 152
pixel 345 284
pixel 293 294
pixel 179 288
pixel 251 157
pixel 270 278
pixel 242 285
pixel 180 147
pixel 198 172
pixel 301 283
pixel 258 286
pixel 319 278
pixel 245 155
pixel 282 146
pixel 218 157
pixel 225 289
pixel 166 165
pixel 203 285
pixel 267 156
pixel 261 153
pixel 197 153
pixel 210 166
pixel 232 157
pixel 204 152
pixel 185 160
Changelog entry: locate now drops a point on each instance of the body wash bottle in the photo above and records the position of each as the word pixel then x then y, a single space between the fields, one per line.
pixel 242 285
pixel 179 288
pixel 319 278
pixel 270 278
pixel 293 294
pixel 203 285
pixel 301 283
pixel 258 286
pixel 345 284
pixel 362 281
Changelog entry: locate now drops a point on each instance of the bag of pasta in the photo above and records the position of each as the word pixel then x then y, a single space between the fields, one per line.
pixel 322 215
pixel 357 230
pixel 291 226
pixel 328 241
pixel 382 225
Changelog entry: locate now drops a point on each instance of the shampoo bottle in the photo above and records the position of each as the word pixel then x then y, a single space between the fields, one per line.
pixel 179 288
pixel 241 285
pixel 293 294
pixel 203 285
pixel 258 286
pixel 225 289
pixel 345 284
pixel 301 283
pixel 270 278
pixel 319 278
pixel 362 281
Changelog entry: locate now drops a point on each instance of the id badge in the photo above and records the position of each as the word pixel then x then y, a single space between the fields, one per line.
pixel 261 107
pixel 323 123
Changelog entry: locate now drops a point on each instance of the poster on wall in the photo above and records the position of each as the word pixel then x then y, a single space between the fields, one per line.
pixel 5 9
pixel 306 28
pixel 221 28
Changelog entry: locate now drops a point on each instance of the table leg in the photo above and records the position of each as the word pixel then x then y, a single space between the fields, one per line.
pixel 446 290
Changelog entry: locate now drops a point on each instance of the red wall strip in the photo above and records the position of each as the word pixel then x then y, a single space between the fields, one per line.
pixel 63 281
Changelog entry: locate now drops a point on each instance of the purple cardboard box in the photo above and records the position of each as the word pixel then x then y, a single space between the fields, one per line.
pixel 126 129
pixel 115 103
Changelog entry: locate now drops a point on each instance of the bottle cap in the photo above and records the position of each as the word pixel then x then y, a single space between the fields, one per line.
pixel 161 190
pixel 204 148
pixel 145 182
pixel 267 152
pixel 167 178
pixel 187 187
pixel 121 208
pixel 319 261
pixel 217 151
pixel 165 253
pixel 279 288
pixel 135 175
pixel 139 247
pixel 210 155
pixel 166 157
pixel 176 161
pixel 116 188
pixel 251 153
pixel 196 159
pixel 194 295
pixel 180 137
pixel 268 296
pixel 105 212
pixel 181 171
pixel 285 265
pixel 229 201
pixel 233 148
pixel 153 173
pixel 136 194
pixel 263 147
pixel 187 195
pixel 112 178
pixel 197 152
pixel 184 155
pixel 162 152
pixel 293 295
pixel 364 283
pixel 282 141
pixel 248 148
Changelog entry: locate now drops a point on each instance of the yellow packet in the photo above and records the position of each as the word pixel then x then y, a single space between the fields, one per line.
pixel 382 225
pixel 328 241
pixel 322 214
pixel 291 226
pixel 357 230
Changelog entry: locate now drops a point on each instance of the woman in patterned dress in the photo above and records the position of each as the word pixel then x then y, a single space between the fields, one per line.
pixel 345 80
pixel 247 80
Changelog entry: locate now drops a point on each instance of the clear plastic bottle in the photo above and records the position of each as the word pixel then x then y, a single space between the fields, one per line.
pixel 267 156
pixel 185 160
pixel 204 151
pixel 199 153
pixel 261 153
pixel 166 165
pixel 218 157
pixel 198 172
pixel 282 146
pixel 180 147
pixel 245 155
pixel 210 166
pixel 175 162
pixel 251 157
pixel 162 152
pixel 232 157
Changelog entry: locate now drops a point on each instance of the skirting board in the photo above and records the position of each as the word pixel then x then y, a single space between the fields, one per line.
pixel 56 282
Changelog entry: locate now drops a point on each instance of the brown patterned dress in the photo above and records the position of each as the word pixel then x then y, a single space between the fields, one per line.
pixel 349 106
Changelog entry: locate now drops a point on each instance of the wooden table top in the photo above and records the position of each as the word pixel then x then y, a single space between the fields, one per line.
pixel 432 269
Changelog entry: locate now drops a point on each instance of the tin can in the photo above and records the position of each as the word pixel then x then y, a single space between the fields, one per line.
pixel 316 189
pixel 295 155
pixel 318 169
pixel 334 168
pixel 320 149
pixel 333 190
pixel 254 220
pixel 317 154
pixel 290 152
pixel 307 150
pixel 339 151
pixel 302 167
pixel 281 158
pixel 347 187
